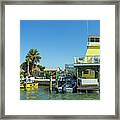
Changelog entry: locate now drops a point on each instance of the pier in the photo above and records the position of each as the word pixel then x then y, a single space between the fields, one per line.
pixel 45 82
pixel 88 88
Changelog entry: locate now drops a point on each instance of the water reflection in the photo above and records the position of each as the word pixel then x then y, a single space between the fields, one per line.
pixel 42 93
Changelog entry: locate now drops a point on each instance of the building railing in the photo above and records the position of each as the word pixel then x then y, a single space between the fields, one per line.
pixel 87 60
pixel 93 43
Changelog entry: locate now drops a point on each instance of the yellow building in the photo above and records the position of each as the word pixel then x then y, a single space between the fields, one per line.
pixel 89 65
pixel 88 73
pixel 93 50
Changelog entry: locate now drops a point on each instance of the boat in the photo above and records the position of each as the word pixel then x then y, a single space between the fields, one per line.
pixel 31 83
pixel 28 83
pixel 22 83
pixel 69 87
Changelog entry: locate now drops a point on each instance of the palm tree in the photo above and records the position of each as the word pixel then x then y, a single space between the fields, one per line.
pixel 28 60
pixel 33 56
pixel 22 74
pixel 41 67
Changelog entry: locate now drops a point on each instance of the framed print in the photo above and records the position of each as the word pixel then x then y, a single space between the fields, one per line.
pixel 60 59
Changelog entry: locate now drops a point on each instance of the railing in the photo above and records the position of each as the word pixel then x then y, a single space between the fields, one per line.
pixel 93 59
pixel 78 60
pixel 87 60
pixel 93 43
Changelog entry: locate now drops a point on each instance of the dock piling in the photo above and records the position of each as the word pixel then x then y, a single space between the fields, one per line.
pixel 50 84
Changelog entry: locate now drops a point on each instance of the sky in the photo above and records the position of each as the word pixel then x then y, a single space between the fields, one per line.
pixel 58 41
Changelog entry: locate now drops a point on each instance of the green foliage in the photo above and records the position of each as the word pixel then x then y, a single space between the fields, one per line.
pixel 35 73
pixel 22 74
pixel 71 72
pixel 47 74
pixel 24 66
pixel 57 75
pixel 41 67
pixel 32 58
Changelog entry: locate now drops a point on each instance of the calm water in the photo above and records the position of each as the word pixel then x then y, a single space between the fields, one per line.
pixel 42 93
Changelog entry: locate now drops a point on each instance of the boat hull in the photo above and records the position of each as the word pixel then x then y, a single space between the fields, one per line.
pixel 29 85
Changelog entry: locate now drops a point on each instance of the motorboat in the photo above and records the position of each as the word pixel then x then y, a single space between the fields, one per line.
pixel 28 83
pixel 70 86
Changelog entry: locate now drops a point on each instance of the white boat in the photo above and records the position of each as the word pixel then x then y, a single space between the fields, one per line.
pixel 68 87
pixel 29 83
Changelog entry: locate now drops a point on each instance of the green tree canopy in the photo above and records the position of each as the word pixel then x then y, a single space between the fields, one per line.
pixel 41 67
pixel 30 64
pixel 34 56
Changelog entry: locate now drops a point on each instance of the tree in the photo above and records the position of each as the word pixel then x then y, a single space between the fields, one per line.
pixel 28 60
pixel 36 72
pixel 47 74
pixel 22 74
pixel 71 73
pixel 41 67
pixel 33 57
pixel 24 66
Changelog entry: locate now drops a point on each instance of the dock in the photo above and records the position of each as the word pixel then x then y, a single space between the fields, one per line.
pixel 88 88
pixel 45 82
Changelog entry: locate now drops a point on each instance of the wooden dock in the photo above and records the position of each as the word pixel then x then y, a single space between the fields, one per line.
pixel 88 88
pixel 45 82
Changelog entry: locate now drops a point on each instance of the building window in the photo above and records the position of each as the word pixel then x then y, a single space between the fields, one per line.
pixel 97 39
pixel 86 72
pixel 91 39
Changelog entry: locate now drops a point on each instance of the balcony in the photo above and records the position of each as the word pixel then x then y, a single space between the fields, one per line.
pixel 87 60
pixel 93 59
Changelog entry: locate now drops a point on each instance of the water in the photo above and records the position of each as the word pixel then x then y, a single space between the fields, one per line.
pixel 42 93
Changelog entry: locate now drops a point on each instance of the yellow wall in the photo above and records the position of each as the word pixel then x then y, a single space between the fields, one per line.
pixel 90 74
pixel 93 49
pixel 93 52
